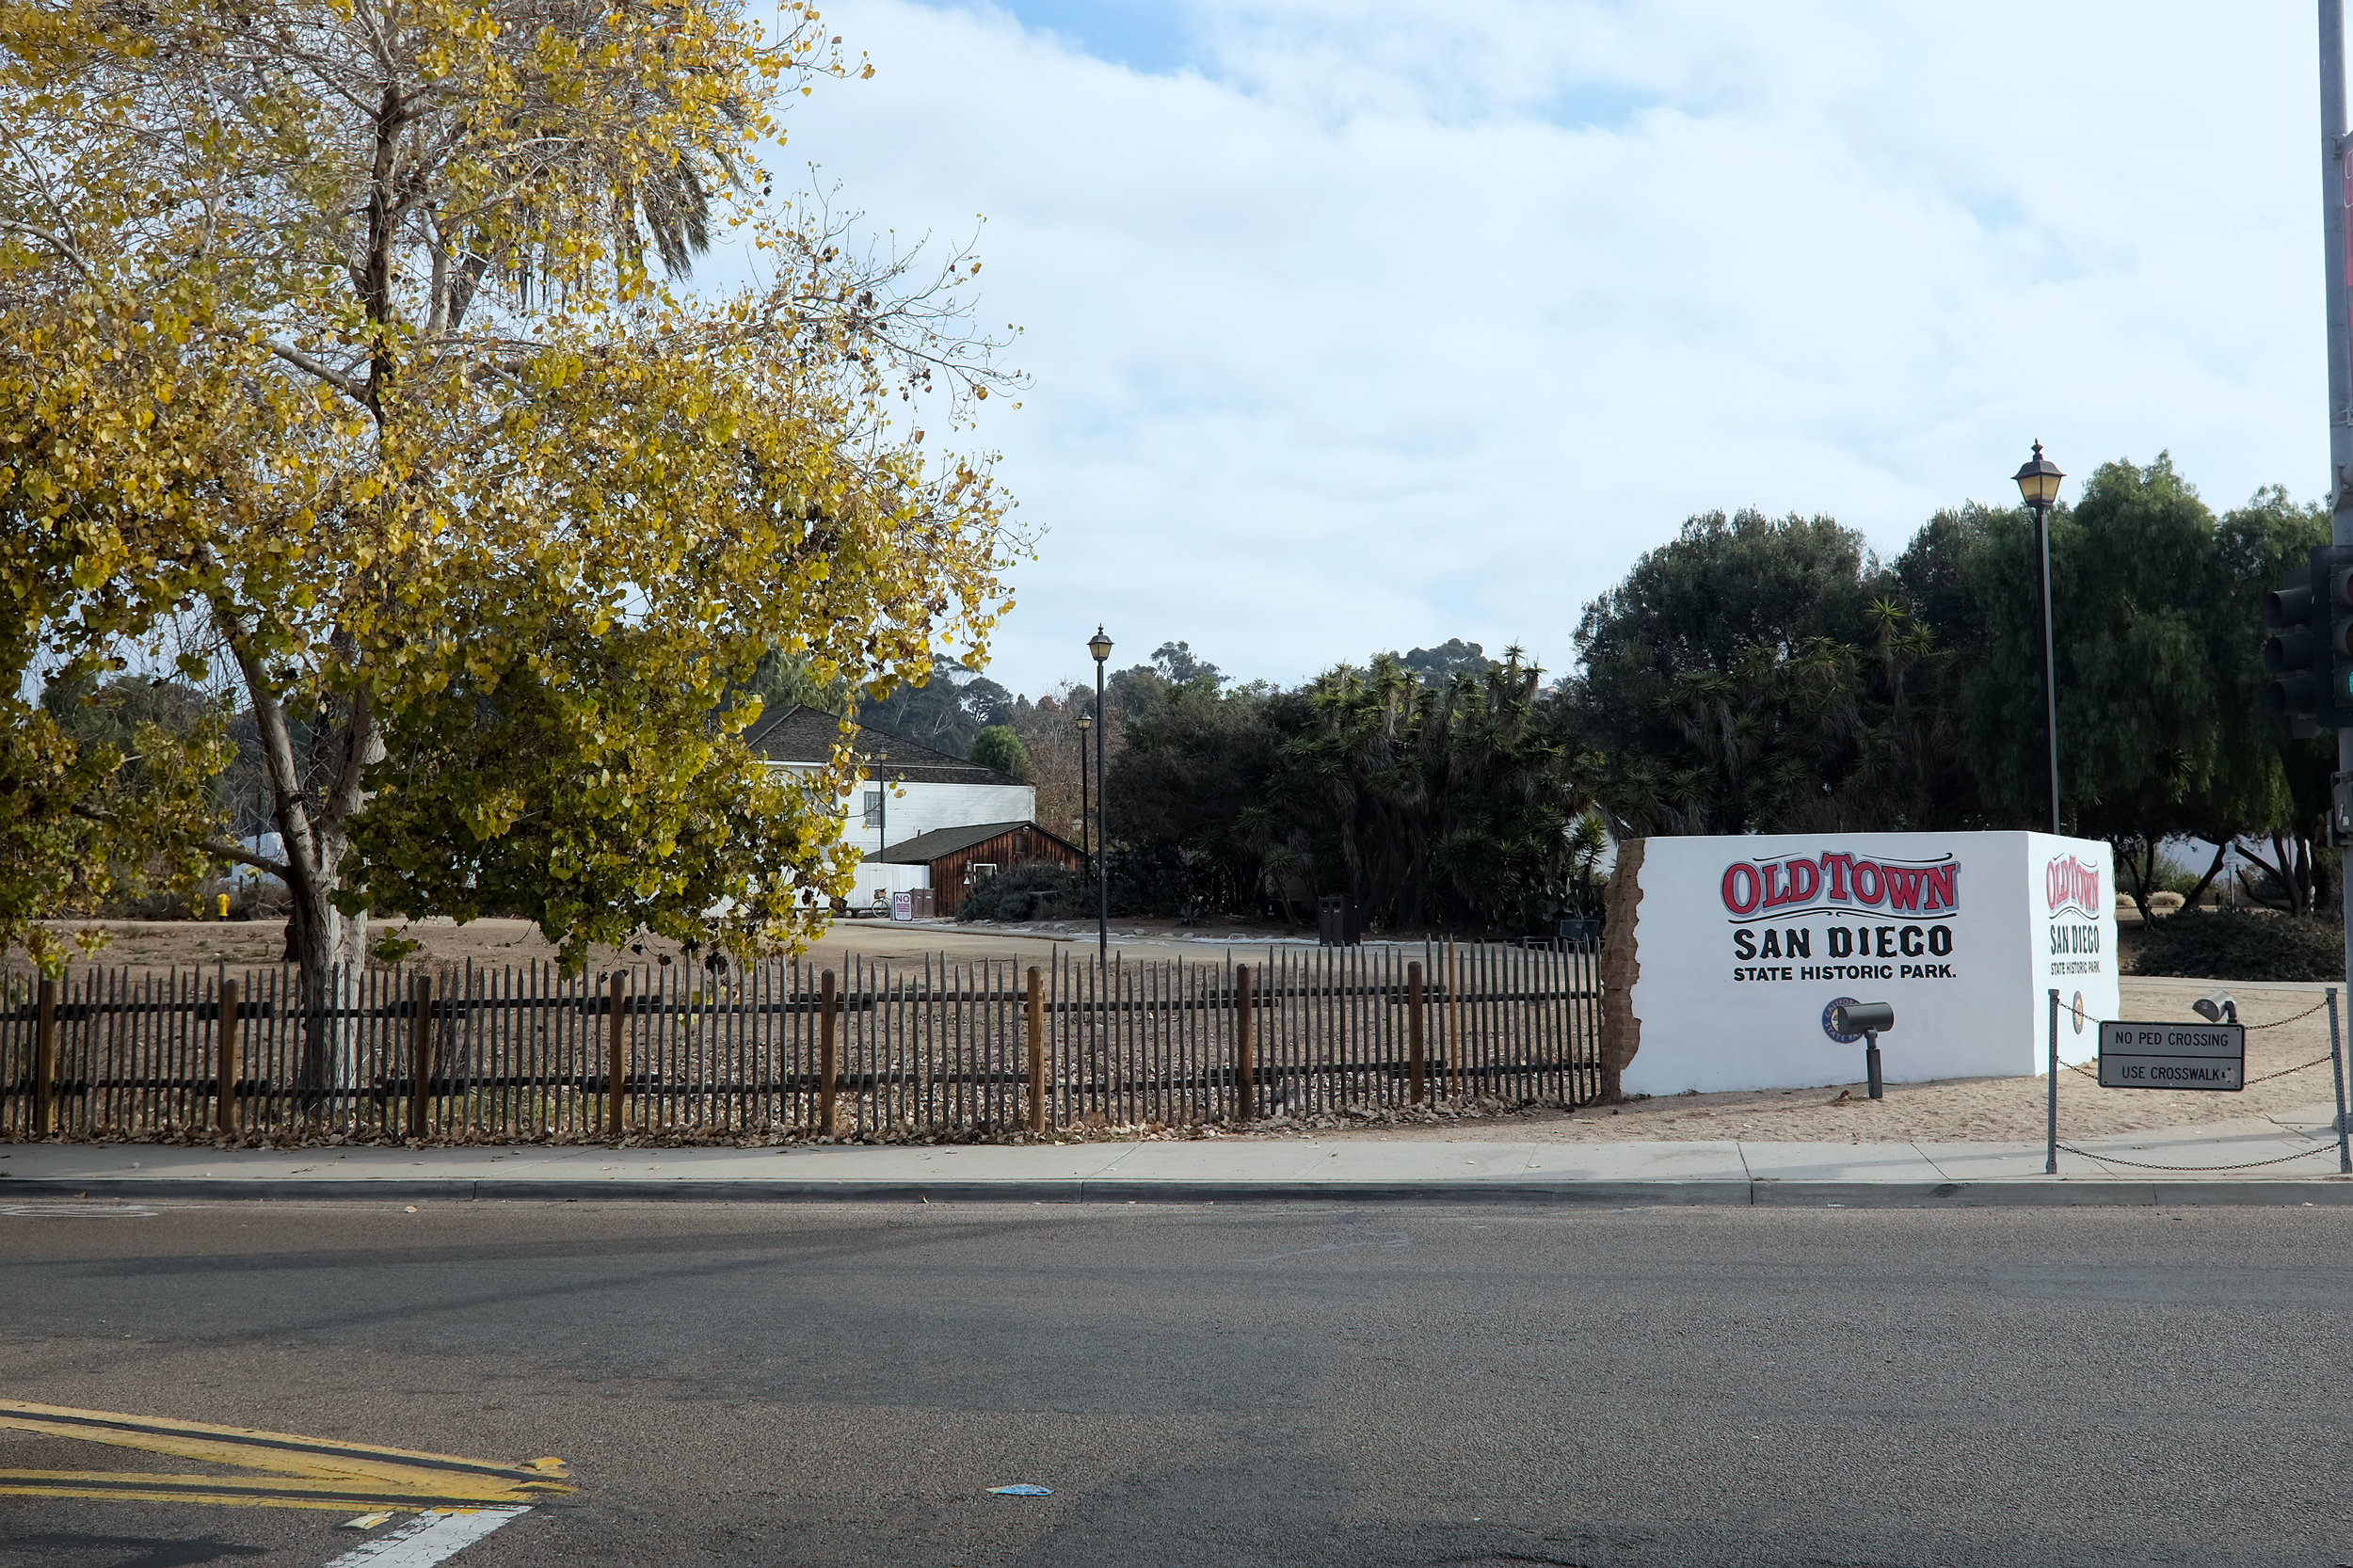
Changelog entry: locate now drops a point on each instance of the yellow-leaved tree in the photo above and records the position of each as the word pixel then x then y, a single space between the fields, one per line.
pixel 343 358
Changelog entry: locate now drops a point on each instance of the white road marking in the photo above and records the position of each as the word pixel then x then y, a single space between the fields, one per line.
pixel 431 1537
pixel 75 1210
pixel 1386 1238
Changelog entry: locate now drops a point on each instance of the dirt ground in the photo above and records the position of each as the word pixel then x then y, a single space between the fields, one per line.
pixel 1967 1109
pixel 1952 1109
pixel 143 945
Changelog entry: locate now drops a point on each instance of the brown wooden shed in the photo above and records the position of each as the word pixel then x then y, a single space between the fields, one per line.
pixel 959 857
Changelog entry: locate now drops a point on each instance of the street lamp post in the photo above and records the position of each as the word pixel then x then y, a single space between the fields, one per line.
pixel 2039 482
pixel 1100 646
pixel 1086 844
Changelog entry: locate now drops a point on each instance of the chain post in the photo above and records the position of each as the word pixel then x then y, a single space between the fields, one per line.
pixel 2336 1057
pixel 2050 1141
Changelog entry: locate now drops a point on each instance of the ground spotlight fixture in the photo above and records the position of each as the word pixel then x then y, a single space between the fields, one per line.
pixel 1868 1019
pixel 2216 1007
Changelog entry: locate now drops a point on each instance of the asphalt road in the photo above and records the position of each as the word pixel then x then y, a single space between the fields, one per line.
pixel 1225 1385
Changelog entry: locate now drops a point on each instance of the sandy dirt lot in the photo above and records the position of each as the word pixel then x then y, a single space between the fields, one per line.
pixel 1969 1109
pixel 142 945
pixel 2288 1032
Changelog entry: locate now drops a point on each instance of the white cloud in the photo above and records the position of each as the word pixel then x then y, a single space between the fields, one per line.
pixel 1382 324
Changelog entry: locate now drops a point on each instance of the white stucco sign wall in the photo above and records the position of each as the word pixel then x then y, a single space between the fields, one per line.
pixel 1744 944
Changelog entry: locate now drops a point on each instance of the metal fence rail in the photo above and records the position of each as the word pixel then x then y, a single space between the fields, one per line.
pixel 937 1046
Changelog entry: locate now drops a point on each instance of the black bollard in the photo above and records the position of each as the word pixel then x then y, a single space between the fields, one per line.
pixel 1871 1062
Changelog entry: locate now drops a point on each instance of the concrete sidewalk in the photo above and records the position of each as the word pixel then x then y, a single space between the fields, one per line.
pixel 2288 1159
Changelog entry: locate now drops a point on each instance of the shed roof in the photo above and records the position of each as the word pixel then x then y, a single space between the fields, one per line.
pixel 926 847
pixel 807 736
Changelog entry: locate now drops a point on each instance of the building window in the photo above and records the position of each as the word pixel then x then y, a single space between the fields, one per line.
pixel 982 871
pixel 873 808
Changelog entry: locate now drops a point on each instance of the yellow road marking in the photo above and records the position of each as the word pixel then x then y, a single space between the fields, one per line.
pixel 291 1471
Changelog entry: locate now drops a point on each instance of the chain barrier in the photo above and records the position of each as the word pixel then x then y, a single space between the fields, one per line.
pixel 2291 1018
pixel 2283 1072
pixel 2247 1166
pixel 2243 1165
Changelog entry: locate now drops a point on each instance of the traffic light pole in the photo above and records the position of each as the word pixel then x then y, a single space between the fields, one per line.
pixel 2332 230
pixel 2340 297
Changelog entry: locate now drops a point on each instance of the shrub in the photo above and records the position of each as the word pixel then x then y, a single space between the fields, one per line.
pixel 1034 890
pixel 2238 944
pixel 2173 877
pixel 996 747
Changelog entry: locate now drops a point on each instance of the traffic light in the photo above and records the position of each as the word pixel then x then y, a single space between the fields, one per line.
pixel 2309 655
pixel 2332 629
pixel 2312 663
pixel 2295 691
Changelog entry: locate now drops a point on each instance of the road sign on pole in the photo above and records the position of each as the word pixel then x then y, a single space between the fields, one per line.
pixel 2173 1056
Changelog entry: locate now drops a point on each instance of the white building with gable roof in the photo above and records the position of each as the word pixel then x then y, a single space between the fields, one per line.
pixel 905 789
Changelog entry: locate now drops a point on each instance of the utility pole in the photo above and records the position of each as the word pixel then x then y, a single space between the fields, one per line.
pixel 2339 273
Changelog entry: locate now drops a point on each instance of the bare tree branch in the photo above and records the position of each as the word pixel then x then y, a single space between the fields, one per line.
pixel 221 847
pixel 325 372
pixel 56 241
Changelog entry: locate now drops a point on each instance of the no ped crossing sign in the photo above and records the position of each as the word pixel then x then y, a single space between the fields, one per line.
pixel 2173 1056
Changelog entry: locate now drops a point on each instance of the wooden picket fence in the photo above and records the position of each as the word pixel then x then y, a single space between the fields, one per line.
pixel 945 1046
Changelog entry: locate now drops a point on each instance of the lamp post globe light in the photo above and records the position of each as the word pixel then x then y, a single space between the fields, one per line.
pixel 2039 484
pixel 1086 844
pixel 1100 646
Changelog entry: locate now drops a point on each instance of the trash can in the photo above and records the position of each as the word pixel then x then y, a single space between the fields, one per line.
pixel 1338 923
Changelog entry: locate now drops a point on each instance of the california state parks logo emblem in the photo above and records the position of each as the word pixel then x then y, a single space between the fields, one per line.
pixel 1829 1012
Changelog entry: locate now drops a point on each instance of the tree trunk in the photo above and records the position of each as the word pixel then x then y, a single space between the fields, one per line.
pixel 332 951
pixel 2139 855
pixel 2278 875
pixel 2295 869
pixel 2207 881
pixel 326 947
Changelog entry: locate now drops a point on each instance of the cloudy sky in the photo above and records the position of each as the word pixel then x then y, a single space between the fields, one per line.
pixel 1358 325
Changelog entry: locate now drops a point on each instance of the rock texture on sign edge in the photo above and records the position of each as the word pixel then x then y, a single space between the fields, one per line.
pixel 1621 966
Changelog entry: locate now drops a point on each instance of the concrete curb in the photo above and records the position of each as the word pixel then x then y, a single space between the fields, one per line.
pixel 2026 1193
pixel 2013 1192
